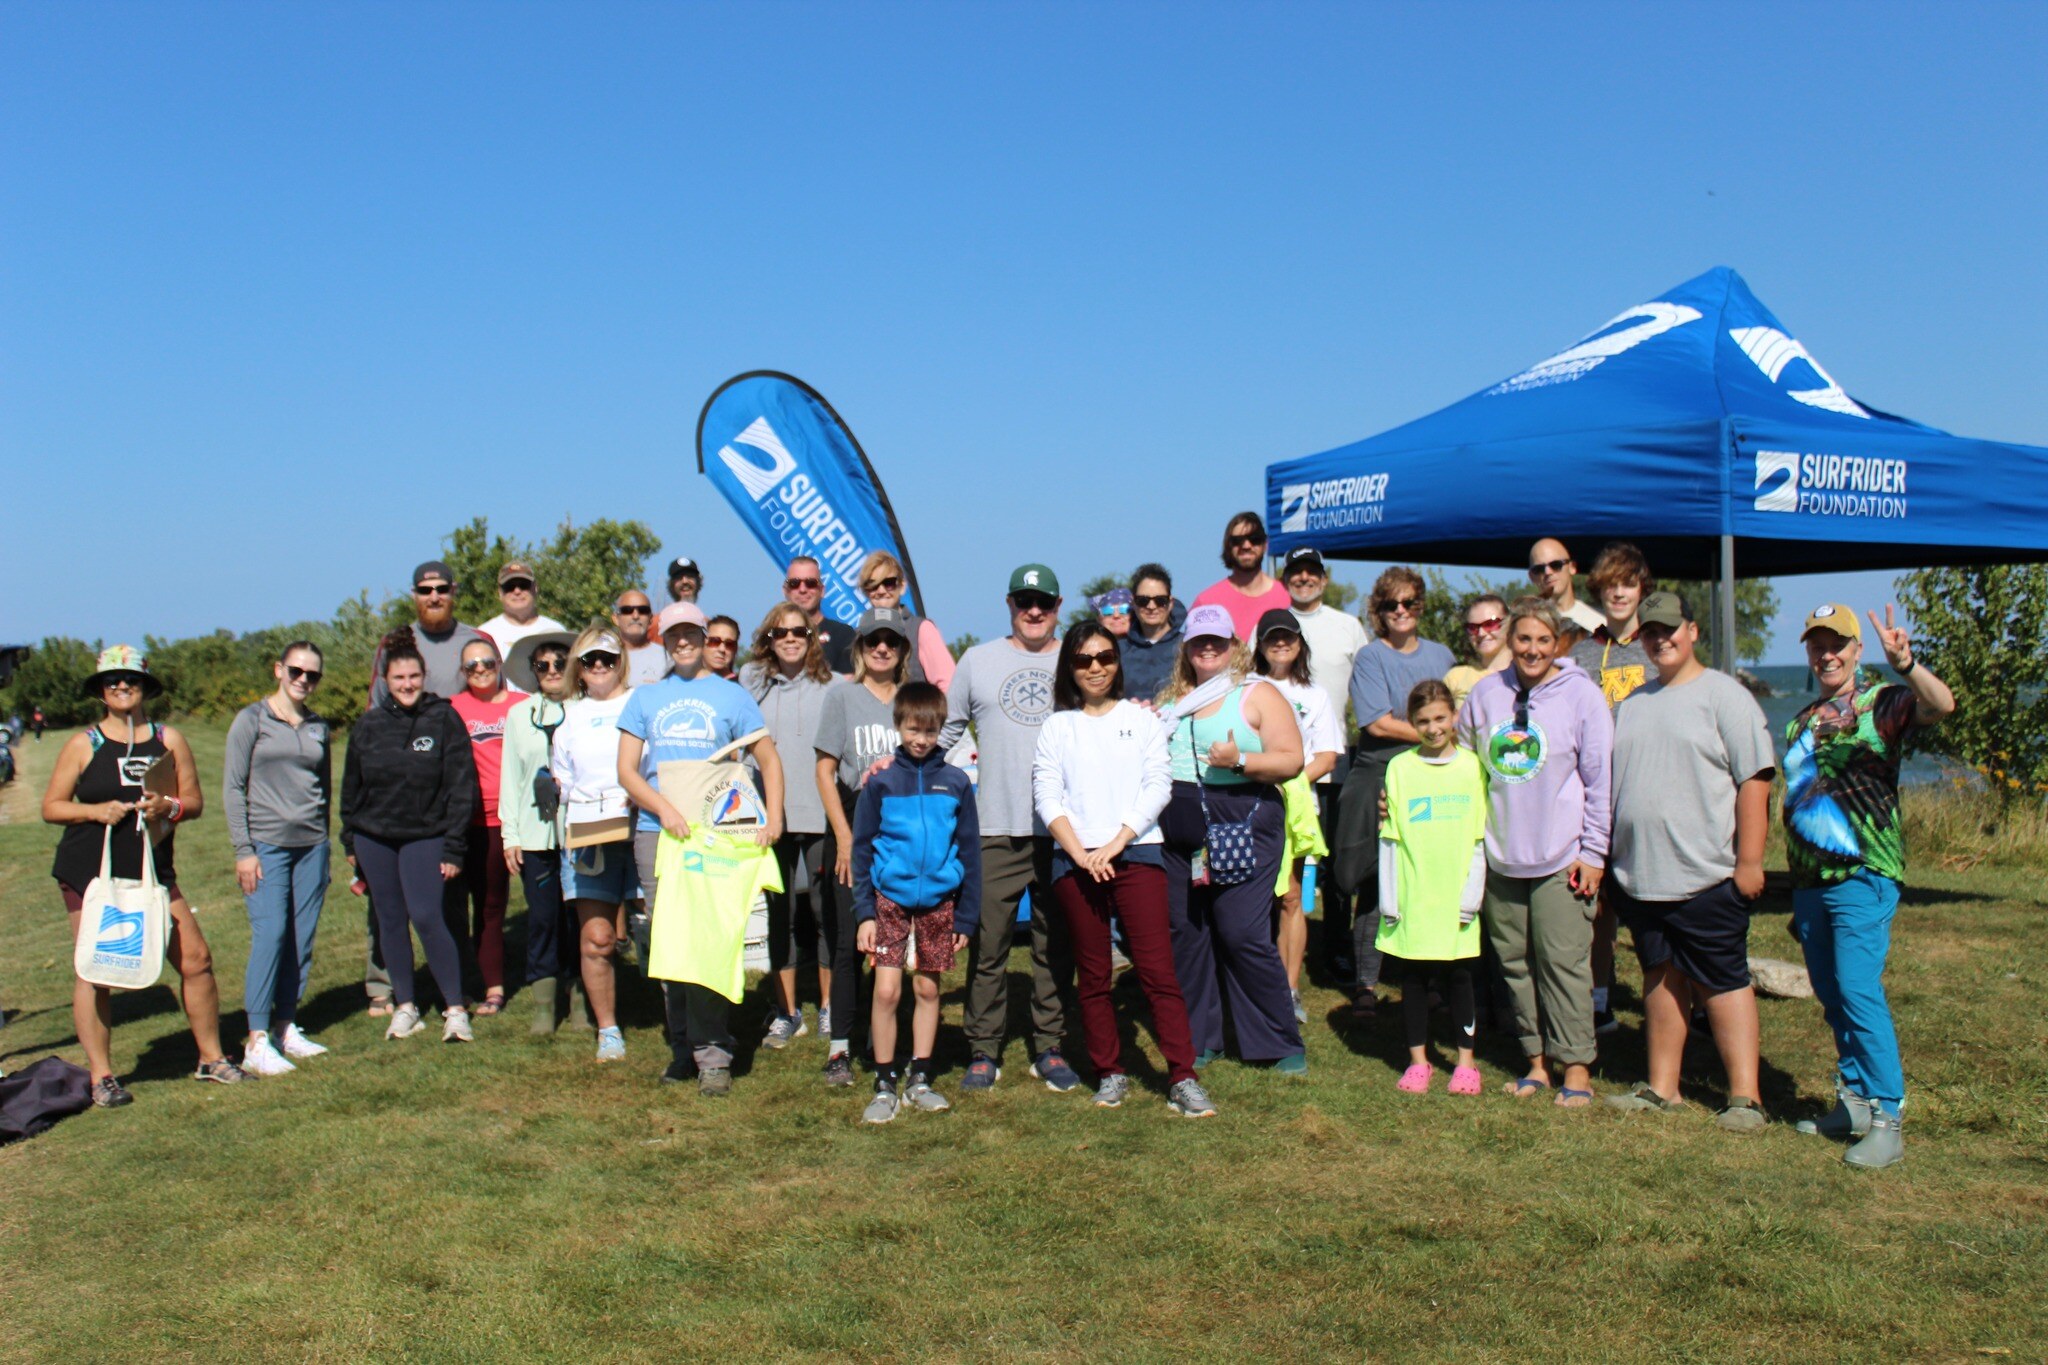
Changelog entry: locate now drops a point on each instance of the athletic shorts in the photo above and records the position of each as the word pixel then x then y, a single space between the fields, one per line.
pixel 74 899
pixel 895 925
pixel 1705 939
pixel 600 872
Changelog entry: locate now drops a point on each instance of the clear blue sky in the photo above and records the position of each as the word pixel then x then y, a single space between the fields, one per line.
pixel 288 291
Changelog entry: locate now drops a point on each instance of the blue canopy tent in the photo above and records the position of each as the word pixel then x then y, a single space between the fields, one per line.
pixel 1694 426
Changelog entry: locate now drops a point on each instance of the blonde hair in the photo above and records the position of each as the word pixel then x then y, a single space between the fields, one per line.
pixel 592 634
pixel 1183 681
pixel 877 560
pixel 860 659
pixel 1533 608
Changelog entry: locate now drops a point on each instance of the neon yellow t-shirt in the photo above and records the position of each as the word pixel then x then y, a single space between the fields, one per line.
pixel 1436 818
pixel 704 890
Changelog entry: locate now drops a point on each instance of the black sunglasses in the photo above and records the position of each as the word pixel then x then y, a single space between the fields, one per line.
pixel 1034 601
pixel 785 632
pixel 797 584
pixel 1410 605
pixel 889 584
pixel 1148 600
pixel 433 590
pixel 550 665
pixel 1551 566
pixel 480 666
pixel 600 658
pixel 1251 539
pixel 633 611
pixel 309 676
pixel 516 585
pixel 1101 658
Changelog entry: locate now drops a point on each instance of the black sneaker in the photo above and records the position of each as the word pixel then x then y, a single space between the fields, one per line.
pixel 679 1070
pixel 108 1093
pixel 839 1069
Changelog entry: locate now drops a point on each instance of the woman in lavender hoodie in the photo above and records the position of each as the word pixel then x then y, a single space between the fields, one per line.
pixel 1544 736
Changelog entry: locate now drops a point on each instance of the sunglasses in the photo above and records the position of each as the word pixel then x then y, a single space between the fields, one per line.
pixel 1486 627
pixel 1287 639
pixel 549 665
pixel 516 585
pixel 888 642
pixel 889 584
pixel 1118 609
pixel 309 676
pixel 789 632
pixel 633 611
pixel 1148 600
pixel 433 590
pixel 1034 601
pixel 600 658
pixel 1552 566
pixel 722 641
pixel 799 584
pixel 1236 541
pixel 480 666
pixel 1101 658
pixel 1408 604
pixel 121 685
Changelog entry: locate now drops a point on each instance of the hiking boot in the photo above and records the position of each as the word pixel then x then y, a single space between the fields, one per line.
pixel 1644 1098
pixel 1742 1115
pixel 547 1002
pixel 455 1027
pixel 883 1106
pixel 982 1073
pixel 222 1072
pixel 1190 1101
pixel 108 1093
pixel 783 1030
pixel 715 1080
pixel 1850 1118
pixel 839 1069
pixel 611 1045
pixel 922 1096
pixel 1111 1089
pixel 1882 1146
pixel 681 1067
pixel 1054 1071
pixel 298 1045
pixel 405 1022
pixel 259 1058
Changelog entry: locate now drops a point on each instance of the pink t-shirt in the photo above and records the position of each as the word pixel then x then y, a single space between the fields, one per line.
pixel 1244 610
pixel 486 723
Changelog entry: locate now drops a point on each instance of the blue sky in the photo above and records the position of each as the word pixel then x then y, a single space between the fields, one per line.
pixel 288 291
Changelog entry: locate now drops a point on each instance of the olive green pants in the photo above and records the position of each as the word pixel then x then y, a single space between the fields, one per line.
pixel 1543 936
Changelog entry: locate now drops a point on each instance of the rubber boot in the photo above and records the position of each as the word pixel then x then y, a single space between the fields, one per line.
pixel 1882 1146
pixel 1850 1118
pixel 546 1006
pixel 579 1010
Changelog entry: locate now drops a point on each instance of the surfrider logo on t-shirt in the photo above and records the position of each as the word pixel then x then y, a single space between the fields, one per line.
pixel 1515 753
pixel 1026 696
pixel 1448 807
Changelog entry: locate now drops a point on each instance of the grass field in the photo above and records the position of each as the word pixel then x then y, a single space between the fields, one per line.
pixel 513 1200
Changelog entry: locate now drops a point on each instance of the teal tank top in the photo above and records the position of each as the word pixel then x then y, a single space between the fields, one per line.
pixel 1229 719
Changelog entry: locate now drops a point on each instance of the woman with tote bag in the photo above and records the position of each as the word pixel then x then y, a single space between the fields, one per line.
pixel 103 791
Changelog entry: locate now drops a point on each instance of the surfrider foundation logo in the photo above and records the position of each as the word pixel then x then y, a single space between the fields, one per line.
pixel 1830 485
pixel 1294 507
pixel 1601 345
pixel 1777 481
pixel 1773 352
pixel 753 477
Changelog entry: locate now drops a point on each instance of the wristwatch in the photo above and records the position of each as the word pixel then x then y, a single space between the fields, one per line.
pixel 1238 767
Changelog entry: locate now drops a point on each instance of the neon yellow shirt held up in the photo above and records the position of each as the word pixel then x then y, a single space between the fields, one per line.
pixel 705 887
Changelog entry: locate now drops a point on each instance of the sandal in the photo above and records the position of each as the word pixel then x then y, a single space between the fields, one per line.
pixel 380 1009
pixel 1522 1087
pixel 492 1003
pixel 1569 1098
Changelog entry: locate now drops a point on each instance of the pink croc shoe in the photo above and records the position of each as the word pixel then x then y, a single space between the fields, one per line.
pixel 1415 1080
pixel 1465 1081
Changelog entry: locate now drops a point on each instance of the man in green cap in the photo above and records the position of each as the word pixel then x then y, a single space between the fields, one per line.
pixel 1004 690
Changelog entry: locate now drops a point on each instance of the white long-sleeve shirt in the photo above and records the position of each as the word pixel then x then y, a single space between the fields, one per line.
pixel 1103 773
pixel 585 760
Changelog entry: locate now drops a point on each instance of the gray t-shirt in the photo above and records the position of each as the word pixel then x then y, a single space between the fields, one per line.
pixel 1005 693
pixel 647 664
pixel 1381 679
pixel 1619 668
pixel 1679 755
pixel 854 728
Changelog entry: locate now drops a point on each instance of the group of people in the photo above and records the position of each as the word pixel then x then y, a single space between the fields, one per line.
pixel 1173 785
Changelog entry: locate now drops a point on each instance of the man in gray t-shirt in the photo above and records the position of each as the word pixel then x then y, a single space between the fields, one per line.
pixel 1693 765
pixel 1004 690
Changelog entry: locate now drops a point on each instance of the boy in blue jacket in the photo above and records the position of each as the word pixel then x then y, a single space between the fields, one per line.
pixel 916 876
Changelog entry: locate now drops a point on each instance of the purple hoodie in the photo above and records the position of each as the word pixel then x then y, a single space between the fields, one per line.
pixel 1547 788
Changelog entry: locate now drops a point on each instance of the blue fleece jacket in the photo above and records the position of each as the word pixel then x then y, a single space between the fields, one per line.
pixel 917 840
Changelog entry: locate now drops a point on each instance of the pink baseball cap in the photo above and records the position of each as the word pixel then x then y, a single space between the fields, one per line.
pixel 682 614
pixel 1209 620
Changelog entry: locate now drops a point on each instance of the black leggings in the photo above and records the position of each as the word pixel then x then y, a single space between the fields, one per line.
pixel 405 884
pixel 1415 1000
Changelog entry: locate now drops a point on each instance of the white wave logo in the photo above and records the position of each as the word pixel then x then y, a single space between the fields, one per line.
pixel 1770 465
pixel 1294 507
pixel 755 479
pixel 1772 351
pixel 1600 346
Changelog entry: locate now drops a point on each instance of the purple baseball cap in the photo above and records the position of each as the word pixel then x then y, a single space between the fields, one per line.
pixel 1209 620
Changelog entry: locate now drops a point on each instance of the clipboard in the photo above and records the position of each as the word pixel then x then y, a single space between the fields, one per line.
pixel 161 778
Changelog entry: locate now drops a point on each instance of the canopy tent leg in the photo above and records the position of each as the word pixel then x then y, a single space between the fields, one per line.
pixel 1724 610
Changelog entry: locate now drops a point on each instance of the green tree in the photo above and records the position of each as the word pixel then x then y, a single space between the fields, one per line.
pixel 960 644
pixel 49 678
pixel 583 569
pixel 1982 630
pixel 475 555
pixel 1756 603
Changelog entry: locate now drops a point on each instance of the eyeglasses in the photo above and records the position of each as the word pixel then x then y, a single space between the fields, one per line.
pixel 633 611
pixel 1101 658
pixel 309 676
pixel 1148 600
pixel 549 665
pixel 1551 566
pixel 433 590
pixel 600 658
pixel 1486 627
pixel 789 632
pixel 890 584
pixel 1034 601
pixel 1408 604
pixel 1236 541
pixel 480 666
pixel 516 585
pixel 799 584
pixel 722 641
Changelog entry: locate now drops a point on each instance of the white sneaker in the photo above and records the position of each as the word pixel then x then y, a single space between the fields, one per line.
pixel 297 1044
pixel 259 1058
pixel 456 1030
pixel 405 1022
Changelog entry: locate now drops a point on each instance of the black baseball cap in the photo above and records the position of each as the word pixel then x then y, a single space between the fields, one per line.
pixel 436 568
pixel 679 566
pixel 1304 557
pixel 1279 618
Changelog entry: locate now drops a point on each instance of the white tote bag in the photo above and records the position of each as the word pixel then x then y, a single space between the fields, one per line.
pixel 122 925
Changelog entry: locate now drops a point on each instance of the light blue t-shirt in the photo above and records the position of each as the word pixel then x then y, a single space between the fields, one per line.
pixel 686 718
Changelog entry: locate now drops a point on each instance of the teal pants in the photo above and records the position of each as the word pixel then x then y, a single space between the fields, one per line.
pixel 1846 930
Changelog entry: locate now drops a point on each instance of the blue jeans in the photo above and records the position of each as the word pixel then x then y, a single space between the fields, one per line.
pixel 284 913
pixel 1846 930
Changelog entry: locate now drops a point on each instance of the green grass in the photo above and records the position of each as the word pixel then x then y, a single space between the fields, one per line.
pixel 515 1201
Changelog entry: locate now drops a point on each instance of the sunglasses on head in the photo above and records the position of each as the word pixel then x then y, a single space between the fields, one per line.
pixel 722 641
pixel 1486 627
pixel 1407 604
pixel 433 590
pixel 600 658
pixel 1145 599
pixel 1549 566
pixel 1034 601
pixel 516 585
pixel 789 632
pixel 633 611
pixel 479 665
pixel 799 584
pixel 1101 658
pixel 889 584
pixel 309 676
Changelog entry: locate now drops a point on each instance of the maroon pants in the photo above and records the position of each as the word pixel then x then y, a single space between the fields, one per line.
pixel 479 897
pixel 1136 897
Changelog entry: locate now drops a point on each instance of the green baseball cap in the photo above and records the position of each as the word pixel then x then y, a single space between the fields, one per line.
pixel 1665 609
pixel 1035 578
